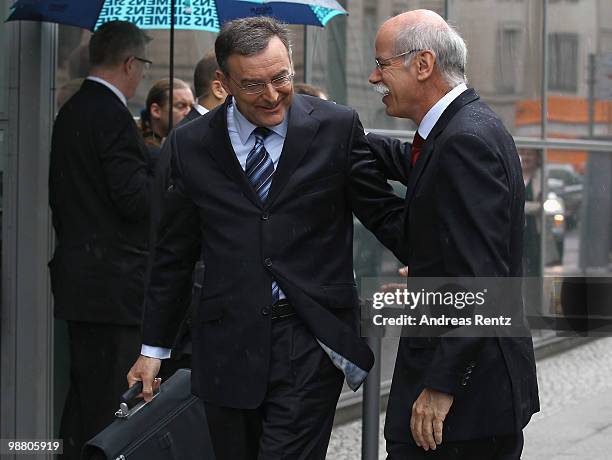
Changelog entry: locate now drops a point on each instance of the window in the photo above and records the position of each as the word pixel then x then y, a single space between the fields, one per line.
pixel 563 62
pixel 508 49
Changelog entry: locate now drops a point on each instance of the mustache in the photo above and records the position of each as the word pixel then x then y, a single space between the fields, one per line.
pixel 381 89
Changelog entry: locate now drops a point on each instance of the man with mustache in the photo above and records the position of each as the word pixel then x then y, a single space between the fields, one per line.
pixel 468 397
pixel 262 191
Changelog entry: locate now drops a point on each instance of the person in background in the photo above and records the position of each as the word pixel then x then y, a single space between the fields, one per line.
pixel 155 117
pixel 532 177
pixel 460 397
pixel 100 180
pixel 66 91
pixel 310 90
pixel 208 89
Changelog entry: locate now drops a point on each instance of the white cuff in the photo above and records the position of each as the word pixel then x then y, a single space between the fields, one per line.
pixel 155 352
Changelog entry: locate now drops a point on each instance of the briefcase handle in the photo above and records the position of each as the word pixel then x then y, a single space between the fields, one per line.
pixel 129 403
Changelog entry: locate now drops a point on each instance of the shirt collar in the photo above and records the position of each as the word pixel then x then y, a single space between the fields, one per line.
pixel 245 128
pixel 200 109
pixel 431 118
pixel 113 88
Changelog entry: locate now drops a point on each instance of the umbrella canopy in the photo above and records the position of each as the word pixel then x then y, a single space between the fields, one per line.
pixel 189 14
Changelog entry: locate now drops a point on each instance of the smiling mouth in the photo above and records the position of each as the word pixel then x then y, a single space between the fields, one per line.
pixel 271 109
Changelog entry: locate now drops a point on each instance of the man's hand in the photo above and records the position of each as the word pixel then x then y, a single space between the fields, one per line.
pixel 428 414
pixel 392 287
pixel 145 369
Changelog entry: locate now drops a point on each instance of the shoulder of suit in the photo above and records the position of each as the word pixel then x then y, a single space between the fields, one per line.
pixel 478 119
pixel 98 103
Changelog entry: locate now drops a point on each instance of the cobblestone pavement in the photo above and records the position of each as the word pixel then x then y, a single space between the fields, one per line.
pixel 574 399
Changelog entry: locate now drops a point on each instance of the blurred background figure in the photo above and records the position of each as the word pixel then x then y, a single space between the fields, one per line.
pixel 154 117
pixel 209 91
pixel 532 177
pixel 66 91
pixel 310 90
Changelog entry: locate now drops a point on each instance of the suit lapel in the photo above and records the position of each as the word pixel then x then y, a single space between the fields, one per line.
pixel 427 150
pixel 217 142
pixel 300 132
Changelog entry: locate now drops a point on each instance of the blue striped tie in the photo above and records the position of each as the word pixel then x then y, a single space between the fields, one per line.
pixel 260 169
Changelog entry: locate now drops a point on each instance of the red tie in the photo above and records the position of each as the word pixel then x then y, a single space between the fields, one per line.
pixel 417 143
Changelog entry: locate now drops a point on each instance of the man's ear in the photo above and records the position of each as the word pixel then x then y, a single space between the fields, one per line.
pixel 224 81
pixel 155 111
pixel 128 65
pixel 425 62
pixel 217 89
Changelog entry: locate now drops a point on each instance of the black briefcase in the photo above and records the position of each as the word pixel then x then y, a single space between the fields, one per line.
pixel 171 426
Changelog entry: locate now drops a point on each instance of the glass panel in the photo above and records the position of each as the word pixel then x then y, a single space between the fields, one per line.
pixel 580 69
pixel 579 213
pixel 3 62
pixel 3 141
pixel 504 58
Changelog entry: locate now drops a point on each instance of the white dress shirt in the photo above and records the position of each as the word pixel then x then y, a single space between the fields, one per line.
pixel 431 118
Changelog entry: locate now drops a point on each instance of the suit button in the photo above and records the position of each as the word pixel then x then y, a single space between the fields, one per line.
pixel 464 383
pixel 469 370
pixel 265 216
pixel 268 262
pixel 265 311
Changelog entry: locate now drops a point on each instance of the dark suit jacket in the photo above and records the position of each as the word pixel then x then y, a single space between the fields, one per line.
pixel 99 193
pixel 301 236
pixel 464 217
pixel 182 343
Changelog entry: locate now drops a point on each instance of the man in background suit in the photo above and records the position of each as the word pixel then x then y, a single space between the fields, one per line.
pixel 99 193
pixel 208 88
pixel 263 189
pixel 465 398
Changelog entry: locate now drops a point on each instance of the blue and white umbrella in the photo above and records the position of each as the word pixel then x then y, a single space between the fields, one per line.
pixel 188 14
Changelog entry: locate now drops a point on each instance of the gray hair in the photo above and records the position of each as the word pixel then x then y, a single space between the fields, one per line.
pixel 248 36
pixel 445 42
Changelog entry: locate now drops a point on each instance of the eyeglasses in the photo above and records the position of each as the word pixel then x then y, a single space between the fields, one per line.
pixel 381 63
pixel 260 87
pixel 146 62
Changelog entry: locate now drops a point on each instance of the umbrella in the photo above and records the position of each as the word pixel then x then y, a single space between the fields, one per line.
pixel 188 14
pixel 173 14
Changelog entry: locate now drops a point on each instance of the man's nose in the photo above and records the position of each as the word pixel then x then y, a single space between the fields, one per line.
pixel 270 93
pixel 375 76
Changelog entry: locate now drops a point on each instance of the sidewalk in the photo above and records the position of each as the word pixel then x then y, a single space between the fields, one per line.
pixel 576 418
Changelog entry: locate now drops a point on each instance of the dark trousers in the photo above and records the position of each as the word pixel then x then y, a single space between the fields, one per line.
pixel 100 357
pixel 295 419
pixel 494 448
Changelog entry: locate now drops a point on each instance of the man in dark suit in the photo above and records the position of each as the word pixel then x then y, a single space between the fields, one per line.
pixel 209 94
pixel 99 193
pixel 470 397
pixel 262 191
